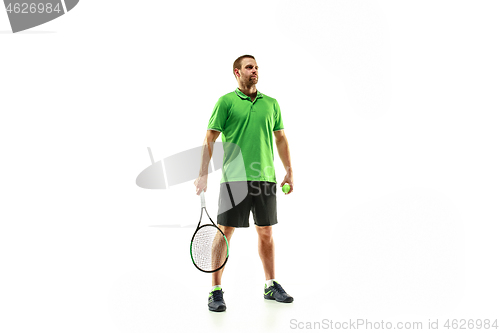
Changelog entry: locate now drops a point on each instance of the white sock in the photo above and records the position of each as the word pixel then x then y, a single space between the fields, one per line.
pixel 269 283
pixel 217 286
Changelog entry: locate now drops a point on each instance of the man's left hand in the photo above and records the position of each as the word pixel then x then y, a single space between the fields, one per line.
pixel 288 180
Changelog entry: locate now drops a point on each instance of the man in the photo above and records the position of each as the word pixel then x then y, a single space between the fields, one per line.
pixel 247 119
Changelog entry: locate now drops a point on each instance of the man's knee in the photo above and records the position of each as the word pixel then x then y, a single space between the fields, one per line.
pixel 228 231
pixel 265 233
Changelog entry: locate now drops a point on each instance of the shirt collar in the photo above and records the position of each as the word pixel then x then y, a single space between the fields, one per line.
pixel 243 96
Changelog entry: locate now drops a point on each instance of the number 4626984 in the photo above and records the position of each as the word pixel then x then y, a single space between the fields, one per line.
pixel 32 8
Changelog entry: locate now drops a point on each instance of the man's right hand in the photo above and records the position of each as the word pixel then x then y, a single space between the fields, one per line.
pixel 201 184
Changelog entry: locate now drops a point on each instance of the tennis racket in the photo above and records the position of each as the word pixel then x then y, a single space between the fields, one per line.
pixel 209 246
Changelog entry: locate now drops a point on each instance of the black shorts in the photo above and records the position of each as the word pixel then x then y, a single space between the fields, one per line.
pixel 237 199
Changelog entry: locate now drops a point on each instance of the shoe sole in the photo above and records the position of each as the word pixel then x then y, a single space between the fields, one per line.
pixel 287 300
pixel 218 309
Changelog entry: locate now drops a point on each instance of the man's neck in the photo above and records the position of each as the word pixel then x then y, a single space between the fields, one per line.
pixel 250 91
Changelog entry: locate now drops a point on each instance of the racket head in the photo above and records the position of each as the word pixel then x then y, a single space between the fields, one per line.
pixel 209 248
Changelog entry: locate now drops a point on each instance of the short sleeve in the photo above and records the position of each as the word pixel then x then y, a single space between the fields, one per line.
pixel 219 116
pixel 278 122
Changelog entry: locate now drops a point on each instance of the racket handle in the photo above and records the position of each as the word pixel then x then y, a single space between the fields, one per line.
pixel 202 196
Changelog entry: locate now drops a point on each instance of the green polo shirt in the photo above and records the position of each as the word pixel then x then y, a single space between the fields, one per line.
pixel 247 128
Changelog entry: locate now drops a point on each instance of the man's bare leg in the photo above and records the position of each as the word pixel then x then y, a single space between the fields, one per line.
pixel 266 250
pixel 217 276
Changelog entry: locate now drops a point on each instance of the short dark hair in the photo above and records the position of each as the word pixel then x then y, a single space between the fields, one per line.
pixel 237 62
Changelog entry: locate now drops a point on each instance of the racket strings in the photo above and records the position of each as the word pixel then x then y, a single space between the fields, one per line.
pixel 209 248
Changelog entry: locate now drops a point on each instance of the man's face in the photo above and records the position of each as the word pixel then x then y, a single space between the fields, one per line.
pixel 249 71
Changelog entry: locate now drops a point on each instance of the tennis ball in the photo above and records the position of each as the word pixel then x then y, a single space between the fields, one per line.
pixel 286 188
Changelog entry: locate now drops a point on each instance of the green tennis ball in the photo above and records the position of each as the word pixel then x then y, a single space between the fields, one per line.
pixel 286 188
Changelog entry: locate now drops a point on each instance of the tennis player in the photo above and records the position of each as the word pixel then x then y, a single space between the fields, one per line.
pixel 248 119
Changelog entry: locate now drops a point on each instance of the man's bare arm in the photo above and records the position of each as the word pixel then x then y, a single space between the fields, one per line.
pixel 284 152
pixel 206 155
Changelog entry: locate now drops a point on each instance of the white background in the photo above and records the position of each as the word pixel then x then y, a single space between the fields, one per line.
pixel 391 113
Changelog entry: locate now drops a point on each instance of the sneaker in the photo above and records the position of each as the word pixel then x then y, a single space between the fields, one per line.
pixel 216 301
pixel 276 292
